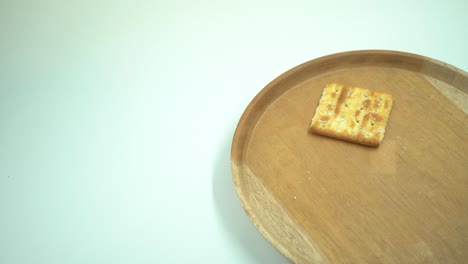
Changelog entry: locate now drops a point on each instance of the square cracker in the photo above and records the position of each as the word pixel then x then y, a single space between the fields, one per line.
pixel 353 114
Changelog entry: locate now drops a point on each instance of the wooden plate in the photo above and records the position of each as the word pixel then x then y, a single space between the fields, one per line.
pixel 322 200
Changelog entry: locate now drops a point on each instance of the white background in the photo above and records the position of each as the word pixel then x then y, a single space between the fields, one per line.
pixel 116 118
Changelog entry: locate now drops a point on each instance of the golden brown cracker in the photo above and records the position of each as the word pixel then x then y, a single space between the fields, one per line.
pixel 353 114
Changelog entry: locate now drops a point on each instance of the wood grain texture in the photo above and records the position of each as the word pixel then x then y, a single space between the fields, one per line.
pixel 322 200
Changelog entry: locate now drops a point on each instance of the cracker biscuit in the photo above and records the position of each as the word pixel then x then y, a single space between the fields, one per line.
pixel 353 114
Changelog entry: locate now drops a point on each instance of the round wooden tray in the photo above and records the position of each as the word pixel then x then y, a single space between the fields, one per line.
pixel 323 200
